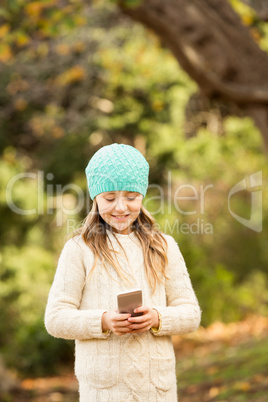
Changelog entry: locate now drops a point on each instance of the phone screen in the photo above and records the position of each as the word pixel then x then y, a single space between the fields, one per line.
pixel 128 301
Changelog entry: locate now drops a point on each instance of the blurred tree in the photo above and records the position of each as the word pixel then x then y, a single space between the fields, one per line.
pixel 214 47
pixel 219 50
pixel 75 76
pixel 260 6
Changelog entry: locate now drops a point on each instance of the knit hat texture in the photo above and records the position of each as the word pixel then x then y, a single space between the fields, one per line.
pixel 117 167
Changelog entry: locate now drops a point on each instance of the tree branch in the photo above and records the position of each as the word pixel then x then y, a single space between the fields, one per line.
pixel 213 47
pixel 260 6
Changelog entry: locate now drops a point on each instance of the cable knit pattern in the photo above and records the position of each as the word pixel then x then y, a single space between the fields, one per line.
pixel 117 167
pixel 138 367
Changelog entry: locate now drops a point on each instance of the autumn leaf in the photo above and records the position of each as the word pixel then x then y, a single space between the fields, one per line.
pixel 242 386
pixel 20 104
pixel 57 132
pixel 63 49
pixel 4 29
pixel 5 53
pixel 22 39
pixel 74 74
pixel 35 8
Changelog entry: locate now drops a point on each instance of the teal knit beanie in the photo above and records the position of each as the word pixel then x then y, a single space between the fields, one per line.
pixel 117 167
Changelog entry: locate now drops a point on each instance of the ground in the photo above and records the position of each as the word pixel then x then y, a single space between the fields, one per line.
pixel 222 363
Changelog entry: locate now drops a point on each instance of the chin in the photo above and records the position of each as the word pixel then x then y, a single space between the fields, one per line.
pixel 120 228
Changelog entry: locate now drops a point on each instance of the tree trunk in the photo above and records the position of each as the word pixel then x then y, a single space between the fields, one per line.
pixel 214 48
pixel 260 6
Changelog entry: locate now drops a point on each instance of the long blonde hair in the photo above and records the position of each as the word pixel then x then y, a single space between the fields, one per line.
pixel 154 245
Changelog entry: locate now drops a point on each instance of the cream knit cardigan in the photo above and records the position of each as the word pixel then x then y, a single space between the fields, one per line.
pixel 138 367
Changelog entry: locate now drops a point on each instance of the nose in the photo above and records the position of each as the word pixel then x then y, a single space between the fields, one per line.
pixel 120 205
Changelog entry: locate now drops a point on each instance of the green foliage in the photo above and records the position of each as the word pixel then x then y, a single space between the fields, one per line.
pixel 227 261
pixel 128 3
pixel 234 372
pixel 38 354
pixel 27 266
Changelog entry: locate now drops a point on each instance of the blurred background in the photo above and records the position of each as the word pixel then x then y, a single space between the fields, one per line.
pixel 77 75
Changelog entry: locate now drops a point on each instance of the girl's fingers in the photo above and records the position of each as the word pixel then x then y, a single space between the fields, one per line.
pixel 121 324
pixel 139 326
pixel 122 331
pixel 121 317
pixel 139 319
pixel 120 321
pixel 141 309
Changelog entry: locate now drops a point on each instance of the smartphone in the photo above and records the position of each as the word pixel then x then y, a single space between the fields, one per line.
pixel 128 301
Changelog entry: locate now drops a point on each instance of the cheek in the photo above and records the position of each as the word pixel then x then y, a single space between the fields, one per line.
pixel 104 209
pixel 136 208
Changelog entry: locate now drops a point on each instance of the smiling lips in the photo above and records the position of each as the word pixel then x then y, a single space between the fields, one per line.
pixel 120 217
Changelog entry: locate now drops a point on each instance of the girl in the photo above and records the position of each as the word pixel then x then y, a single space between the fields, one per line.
pixel 119 357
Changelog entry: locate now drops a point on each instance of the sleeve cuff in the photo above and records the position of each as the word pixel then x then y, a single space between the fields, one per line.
pixel 108 331
pixel 155 330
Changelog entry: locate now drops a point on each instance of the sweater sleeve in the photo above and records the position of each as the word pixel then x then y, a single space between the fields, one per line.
pixel 182 314
pixel 63 318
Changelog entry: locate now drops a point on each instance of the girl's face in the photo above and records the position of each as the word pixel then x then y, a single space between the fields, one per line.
pixel 119 209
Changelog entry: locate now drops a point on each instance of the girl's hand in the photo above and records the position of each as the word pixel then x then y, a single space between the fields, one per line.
pixel 144 322
pixel 117 323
